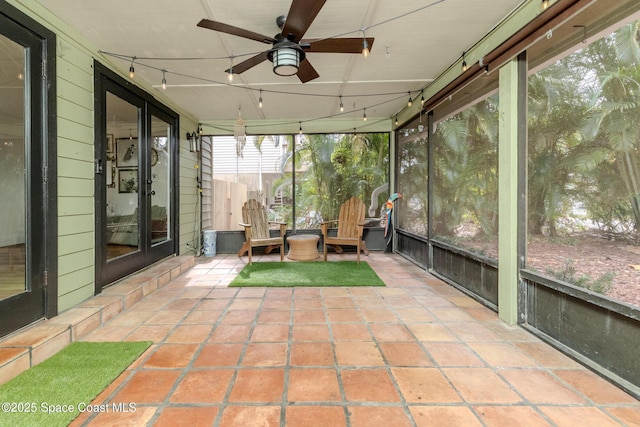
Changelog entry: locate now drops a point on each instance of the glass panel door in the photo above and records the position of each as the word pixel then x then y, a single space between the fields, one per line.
pixel 136 167
pixel 122 172
pixel 27 275
pixel 160 158
pixel 13 233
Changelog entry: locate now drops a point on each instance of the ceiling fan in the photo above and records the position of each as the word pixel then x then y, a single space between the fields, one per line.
pixel 288 52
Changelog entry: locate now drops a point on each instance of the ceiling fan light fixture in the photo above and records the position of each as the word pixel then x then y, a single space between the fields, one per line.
pixel 286 61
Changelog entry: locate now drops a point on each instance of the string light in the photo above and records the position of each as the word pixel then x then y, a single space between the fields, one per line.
pixel 230 73
pixel 164 80
pixel 300 128
pixel 422 100
pixel 365 45
pixel 396 120
pixel 132 71
pixel 200 130
pixel 545 4
pixel 464 63
pixel 260 100
pixel 364 115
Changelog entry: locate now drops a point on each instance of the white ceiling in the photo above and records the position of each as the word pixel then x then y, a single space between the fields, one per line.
pixel 408 53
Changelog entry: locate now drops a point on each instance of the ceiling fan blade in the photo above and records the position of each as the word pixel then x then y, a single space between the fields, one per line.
pixel 249 63
pixel 306 72
pixel 235 31
pixel 340 45
pixel 301 15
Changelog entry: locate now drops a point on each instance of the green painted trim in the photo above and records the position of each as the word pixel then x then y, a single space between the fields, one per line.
pixel 508 194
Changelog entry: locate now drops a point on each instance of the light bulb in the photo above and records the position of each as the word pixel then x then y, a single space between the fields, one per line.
pixel 132 71
pixel 230 75
pixel 365 48
pixel 164 81
pixel 341 105
pixel 300 128
pixel 464 66
pixel 409 102
pixel 364 115
pixel 545 4
pixel 396 120
pixel 260 100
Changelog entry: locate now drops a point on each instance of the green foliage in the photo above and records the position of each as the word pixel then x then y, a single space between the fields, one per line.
pixel 569 274
pixel 584 138
pixel 412 155
pixel 329 170
pixel 466 170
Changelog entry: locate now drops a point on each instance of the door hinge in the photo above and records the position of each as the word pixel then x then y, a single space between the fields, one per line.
pixel 45 278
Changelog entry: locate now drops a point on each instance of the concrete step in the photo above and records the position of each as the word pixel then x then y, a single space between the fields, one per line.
pixel 43 339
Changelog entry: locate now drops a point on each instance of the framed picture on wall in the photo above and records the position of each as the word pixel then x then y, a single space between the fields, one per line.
pixel 128 180
pixel 127 152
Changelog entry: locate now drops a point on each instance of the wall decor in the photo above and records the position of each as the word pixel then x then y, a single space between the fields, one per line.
pixel 128 180
pixel 127 152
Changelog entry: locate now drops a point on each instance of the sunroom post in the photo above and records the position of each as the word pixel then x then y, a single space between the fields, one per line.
pixel 508 194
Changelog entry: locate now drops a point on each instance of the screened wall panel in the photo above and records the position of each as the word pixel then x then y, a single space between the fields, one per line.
pixel 413 168
pixel 584 166
pixel 465 177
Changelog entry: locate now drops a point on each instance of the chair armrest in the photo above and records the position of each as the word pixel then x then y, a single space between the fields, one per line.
pixel 324 225
pixel 283 227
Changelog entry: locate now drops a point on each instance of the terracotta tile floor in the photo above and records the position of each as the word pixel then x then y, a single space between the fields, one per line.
pixel 414 353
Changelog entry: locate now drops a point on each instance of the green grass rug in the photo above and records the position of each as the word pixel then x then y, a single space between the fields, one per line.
pixel 54 392
pixel 314 273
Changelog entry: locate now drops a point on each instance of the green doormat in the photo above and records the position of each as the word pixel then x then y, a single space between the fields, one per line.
pixel 54 392
pixel 315 273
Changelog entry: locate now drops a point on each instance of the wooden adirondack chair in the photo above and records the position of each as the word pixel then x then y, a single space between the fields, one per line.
pixel 350 228
pixel 256 230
